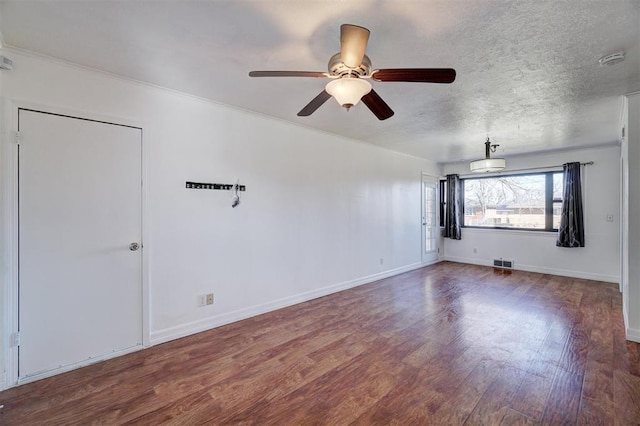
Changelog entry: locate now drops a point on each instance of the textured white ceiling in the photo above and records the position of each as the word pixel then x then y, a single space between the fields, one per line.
pixel 527 71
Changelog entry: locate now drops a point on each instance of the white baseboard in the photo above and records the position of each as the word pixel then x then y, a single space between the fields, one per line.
pixel 633 334
pixel 182 330
pixel 625 316
pixel 542 270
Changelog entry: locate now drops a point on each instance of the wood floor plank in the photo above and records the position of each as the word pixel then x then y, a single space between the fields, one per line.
pixel 514 418
pixel 415 399
pixel 595 412
pixel 457 408
pixel 626 394
pixel 532 395
pixel 445 344
pixel 563 402
pixel 493 406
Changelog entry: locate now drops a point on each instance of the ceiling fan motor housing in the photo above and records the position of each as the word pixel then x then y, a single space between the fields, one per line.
pixel 338 68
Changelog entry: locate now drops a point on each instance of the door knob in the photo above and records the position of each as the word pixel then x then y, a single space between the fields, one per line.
pixel 134 246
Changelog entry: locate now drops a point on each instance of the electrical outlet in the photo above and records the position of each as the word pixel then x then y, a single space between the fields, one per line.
pixel 210 299
pixel 202 300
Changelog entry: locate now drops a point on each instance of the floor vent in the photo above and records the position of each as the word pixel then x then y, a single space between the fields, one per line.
pixel 503 263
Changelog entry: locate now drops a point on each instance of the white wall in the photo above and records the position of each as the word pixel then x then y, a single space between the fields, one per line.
pixel 630 214
pixel 4 254
pixel 536 251
pixel 319 213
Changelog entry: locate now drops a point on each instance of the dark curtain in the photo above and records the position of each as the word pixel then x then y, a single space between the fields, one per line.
pixel 453 215
pixel 571 232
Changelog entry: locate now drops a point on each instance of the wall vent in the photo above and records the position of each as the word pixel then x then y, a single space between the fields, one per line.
pixel 499 263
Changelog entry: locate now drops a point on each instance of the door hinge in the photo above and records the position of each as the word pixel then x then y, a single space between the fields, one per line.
pixel 16 136
pixel 16 339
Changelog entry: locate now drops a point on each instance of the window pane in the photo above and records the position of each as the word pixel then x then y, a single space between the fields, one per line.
pixel 430 218
pixel 557 186
pixel 557 210
pixel 506 202
pixel 443 200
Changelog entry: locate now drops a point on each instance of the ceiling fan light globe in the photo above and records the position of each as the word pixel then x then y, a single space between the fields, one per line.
pixel 348 91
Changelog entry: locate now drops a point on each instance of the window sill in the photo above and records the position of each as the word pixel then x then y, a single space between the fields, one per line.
pixel 527 232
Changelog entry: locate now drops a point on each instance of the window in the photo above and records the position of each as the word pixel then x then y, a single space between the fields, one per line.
pixel 443 201
pixel 527 201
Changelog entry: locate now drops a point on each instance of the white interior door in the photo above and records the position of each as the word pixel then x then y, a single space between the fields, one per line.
pixel 429 219
pixel 80 200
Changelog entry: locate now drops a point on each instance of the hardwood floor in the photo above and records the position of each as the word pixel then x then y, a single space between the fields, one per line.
pixel 446 344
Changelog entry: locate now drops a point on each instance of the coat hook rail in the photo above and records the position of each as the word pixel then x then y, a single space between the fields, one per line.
pixel 218 186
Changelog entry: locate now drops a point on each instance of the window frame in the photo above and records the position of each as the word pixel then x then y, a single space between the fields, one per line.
pixel 549 200
pixel 442 186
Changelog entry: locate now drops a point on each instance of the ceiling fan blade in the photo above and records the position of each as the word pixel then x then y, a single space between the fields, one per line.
pixel 317 74
pixel 353 43
pixel 314 104
pixel 377 106
pixel 420 75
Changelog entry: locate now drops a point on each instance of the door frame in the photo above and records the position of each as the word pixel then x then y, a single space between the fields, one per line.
pixel 423 178
pixel 10 213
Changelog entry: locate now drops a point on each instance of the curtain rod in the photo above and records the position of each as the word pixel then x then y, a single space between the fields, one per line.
pixel 588 163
